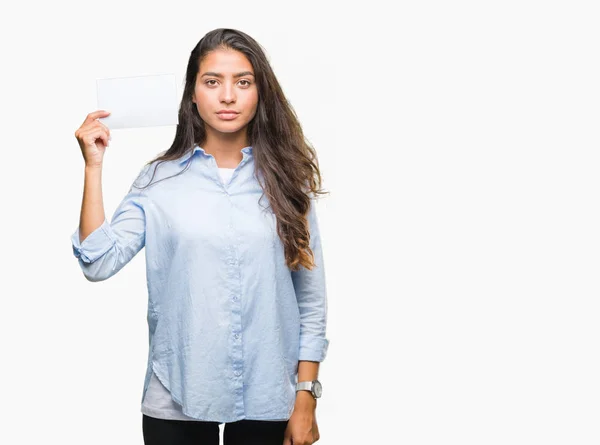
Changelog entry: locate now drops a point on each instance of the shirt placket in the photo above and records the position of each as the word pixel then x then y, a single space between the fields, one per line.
pixel 235 295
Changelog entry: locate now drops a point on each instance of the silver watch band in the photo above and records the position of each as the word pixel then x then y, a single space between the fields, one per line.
pixel 312 386
pixel 304 385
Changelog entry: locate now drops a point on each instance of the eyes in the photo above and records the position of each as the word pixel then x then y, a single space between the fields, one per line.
pixel 245 85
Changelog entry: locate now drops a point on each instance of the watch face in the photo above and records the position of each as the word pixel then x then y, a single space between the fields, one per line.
pixel 317 388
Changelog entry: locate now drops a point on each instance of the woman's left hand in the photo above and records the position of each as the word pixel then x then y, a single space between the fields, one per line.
pixel 302 428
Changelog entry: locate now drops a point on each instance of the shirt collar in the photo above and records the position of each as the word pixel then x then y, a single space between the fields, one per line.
pixel 247 150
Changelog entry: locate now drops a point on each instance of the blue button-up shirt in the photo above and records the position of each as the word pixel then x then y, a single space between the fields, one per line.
pixel 228 321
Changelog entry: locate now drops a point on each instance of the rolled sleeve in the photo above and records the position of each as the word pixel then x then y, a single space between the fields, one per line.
pixel 311 294
pixel 95 245
pixel 111 246
pixel 313 349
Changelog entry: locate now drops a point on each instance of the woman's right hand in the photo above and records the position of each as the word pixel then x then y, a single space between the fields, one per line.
pixel 93 137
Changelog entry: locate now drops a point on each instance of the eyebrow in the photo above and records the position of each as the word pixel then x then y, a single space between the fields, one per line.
pixel 243 73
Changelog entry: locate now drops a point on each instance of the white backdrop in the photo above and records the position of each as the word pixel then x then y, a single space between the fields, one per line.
pixel 459 141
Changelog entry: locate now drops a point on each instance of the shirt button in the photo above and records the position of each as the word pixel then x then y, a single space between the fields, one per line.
pixel 238 373
pixel 237 335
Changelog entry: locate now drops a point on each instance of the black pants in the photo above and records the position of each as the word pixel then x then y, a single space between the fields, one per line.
pixel 191 432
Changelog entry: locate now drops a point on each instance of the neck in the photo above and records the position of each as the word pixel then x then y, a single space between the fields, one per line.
pixel 226 147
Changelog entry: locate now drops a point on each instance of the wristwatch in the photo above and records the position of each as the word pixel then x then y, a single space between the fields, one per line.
pixel 314 386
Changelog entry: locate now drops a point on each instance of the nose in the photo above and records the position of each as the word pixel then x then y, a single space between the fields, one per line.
pixel 227 93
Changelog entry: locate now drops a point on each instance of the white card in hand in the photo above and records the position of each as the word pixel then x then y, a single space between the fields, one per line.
pixel 141 101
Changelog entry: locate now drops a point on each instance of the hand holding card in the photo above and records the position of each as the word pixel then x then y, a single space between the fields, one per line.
pixel 140 101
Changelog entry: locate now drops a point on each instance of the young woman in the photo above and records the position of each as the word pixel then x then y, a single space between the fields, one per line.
pixel 237 304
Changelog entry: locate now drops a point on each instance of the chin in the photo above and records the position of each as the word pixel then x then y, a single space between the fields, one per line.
pixel 224 127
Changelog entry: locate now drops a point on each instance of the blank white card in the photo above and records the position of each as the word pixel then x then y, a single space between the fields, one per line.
pixel 140 101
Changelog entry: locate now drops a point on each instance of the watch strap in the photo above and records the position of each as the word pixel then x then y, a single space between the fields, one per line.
pixel 304 386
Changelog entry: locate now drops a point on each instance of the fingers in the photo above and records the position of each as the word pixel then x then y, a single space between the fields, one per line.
pixel 90 136
pixel 95 131
pixel 94 127
pixel 95 115
pixel 105 128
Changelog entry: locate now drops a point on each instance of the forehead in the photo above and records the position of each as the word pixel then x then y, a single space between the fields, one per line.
pixel 226 61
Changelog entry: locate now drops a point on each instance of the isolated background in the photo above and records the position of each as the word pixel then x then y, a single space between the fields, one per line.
pixel 459 141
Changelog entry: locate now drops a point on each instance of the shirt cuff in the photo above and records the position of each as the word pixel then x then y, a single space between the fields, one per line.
pixel 313 349
pixel 95 245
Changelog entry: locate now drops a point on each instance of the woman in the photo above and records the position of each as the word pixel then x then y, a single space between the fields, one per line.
pixel 237 303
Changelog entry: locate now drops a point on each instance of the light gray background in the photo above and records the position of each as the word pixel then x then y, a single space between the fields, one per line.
pixel 460 143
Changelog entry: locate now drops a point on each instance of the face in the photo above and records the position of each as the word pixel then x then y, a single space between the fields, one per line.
pixel 225 81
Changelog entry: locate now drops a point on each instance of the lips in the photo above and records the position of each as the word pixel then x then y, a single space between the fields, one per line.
pixel 227 115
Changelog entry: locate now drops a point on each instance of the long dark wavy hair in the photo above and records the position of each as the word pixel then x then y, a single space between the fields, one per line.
pixel 286 161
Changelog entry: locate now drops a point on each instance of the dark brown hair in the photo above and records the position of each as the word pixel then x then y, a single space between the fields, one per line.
pixel 286 161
